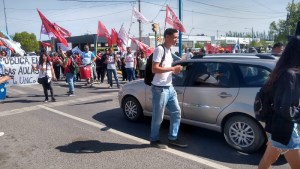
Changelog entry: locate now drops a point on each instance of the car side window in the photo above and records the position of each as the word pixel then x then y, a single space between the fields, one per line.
pixel 254 76
pixel 181 78
pixel 212 75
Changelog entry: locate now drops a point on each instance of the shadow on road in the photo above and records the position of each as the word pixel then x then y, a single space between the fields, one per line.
pixel 202 142
pixel 95 146
pixel 95 102
pixel 21 101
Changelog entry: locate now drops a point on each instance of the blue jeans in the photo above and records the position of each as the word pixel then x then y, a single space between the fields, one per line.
pixel 70 80
pixel 130 74
pixel 164 97
pixel 109 74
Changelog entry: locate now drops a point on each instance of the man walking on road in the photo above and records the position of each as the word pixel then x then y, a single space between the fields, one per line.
pixel 163 92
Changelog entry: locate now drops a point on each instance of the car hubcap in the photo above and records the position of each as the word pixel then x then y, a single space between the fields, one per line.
pixel 131 109
pixel 241 134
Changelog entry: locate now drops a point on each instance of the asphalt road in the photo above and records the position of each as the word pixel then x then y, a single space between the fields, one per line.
pixel 90 131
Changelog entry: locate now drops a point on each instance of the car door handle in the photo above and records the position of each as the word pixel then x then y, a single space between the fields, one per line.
pixel 224 95
pixel 178 92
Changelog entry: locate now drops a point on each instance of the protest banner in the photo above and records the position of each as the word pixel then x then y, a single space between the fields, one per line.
pixel 21 69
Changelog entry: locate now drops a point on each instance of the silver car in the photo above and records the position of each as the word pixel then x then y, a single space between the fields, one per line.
pixel 217 94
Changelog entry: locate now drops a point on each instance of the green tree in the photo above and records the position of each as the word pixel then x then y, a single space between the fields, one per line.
pixel 223 43
pixel 28 41
pixel 199 45
pixel 283 28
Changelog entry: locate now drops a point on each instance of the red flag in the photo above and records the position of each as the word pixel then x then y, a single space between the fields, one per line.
pixel 62 31
pixel 44 44
pixel 173 20
pixel 50 28
pixel 143 47
pixel 102 31
pixel 114 36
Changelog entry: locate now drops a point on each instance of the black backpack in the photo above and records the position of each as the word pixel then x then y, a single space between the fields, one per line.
pixel 263 104
pixel 149 75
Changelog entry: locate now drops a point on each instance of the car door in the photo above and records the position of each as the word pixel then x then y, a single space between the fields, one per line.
pixel 178 80
pixel 212 88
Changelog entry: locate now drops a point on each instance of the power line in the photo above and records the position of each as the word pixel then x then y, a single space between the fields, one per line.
pixel 74 19
pixel 222 16
pixel 64 9
pixel 231 9
pixel 95 1
pixel 160 10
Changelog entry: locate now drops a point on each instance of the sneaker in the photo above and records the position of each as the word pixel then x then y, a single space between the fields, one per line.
pixel 68 92
pixel 178 143
pixel 157 144
pixel 53 99
pixel 71 94
pixel 109 87
pixel 46 100
pixel 1 134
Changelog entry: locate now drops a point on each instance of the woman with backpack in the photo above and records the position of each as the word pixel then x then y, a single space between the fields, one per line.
pixel 284 122
pixel 70 70
pixel 46 75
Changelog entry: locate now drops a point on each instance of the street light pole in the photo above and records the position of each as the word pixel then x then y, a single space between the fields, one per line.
pixel 180 34
pixel 5 17
pixel 252 34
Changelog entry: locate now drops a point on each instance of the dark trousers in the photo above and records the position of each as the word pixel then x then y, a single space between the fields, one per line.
pixel 101 72
pixel 57 71
pixel 124 74
pixel 47 87
pixel 142 73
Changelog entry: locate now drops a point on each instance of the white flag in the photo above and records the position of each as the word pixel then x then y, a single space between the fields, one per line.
pixel 137 15
pixel 13 45
pixel 123 36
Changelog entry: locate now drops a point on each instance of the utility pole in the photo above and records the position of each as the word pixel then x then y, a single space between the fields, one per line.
pixel 180 34
pixel 140 24
pixel 5 17
pixel 252 35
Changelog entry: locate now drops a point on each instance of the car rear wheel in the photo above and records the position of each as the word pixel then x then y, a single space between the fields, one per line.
pixel 244 134
pixel 132 109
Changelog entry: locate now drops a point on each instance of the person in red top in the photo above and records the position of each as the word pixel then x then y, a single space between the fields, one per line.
pixel 56 65
pixel 77 59
pixel 69 74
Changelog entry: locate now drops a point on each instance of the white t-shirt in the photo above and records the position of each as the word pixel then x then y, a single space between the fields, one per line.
pixel 43 73
pixel 129 60
pixel 163 79
pixel 189 55
pixel 111 63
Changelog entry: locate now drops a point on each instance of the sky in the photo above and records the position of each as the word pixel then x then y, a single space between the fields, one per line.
pixel 209 17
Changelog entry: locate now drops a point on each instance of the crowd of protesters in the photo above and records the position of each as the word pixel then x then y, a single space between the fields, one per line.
pixel 102 67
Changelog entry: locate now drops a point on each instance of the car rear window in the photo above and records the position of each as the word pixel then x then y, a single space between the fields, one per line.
pixel 254 76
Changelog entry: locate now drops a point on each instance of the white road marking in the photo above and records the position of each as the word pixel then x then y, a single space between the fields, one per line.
pixel 170 150
pixel 54 104
pixel 1 134
pixel 11 90
pixel 37 87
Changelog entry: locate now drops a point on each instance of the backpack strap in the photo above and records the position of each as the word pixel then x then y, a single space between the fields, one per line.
pixel 164 55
